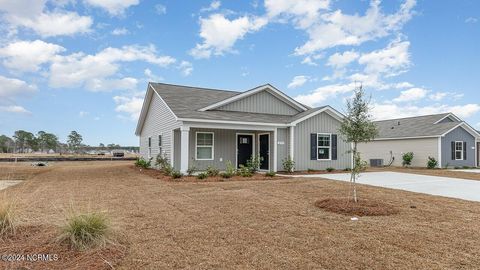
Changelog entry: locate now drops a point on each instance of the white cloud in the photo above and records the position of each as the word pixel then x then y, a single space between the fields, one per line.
pixel 120 31
pixel 438 96
pixel 340 60
pixel 298 81
pixel 304 13
pixel 10 88
pixel 151 77
pixel 471 20
pixel 14 109
pixel 214 5
pixel 160 9
pixel 310 59
pixel 28 55
pixel 390 61
pixel 388 111
pixel 402 85
pixel 412 94
pixel 219 34
pixel 113 7
pixel 94 71
pixel 186 68
pixel 82 114
pixel 129 104
pixel 336 28
pixel 32 15
pixel 321 94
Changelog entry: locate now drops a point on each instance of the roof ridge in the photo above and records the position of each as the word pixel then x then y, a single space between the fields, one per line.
pixel 195 87
pixel 418 116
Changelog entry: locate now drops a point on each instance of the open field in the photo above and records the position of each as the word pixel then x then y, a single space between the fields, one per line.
pixel 435 172
pixel 250 224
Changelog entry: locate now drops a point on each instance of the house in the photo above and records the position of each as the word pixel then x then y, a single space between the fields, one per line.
pixel 451 141
pixel 202 127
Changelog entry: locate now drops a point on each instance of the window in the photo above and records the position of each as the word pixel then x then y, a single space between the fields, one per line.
pixel 160 144
pixel 324 146
pixel 204 146
pixel 458 150
pixel 149 147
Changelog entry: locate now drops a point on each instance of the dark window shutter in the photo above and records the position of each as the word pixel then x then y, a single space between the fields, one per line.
pixel 334 146
pixel 453 150
pixel 464 150
pixel 313 146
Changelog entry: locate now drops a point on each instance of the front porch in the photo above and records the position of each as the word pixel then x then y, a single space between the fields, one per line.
pixel 201 145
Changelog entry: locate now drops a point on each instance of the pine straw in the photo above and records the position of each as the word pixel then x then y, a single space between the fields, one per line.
pixel 159 175
pixel 40 239
pixel 360 208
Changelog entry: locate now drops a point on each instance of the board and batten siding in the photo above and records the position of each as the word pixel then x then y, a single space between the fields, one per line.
pixel 282 147
pixel 261 102
pixel 320 123
pixel 458 134
pixel 422 148
pixel 158 121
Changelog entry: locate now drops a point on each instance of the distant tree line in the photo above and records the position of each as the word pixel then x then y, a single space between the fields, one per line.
pixel 24 142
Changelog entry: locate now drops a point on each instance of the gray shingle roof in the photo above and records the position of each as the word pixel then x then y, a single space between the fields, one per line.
pixel 185 101
pixel 418 126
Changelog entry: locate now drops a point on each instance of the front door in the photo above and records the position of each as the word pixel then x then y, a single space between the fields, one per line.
pixel 244 149
pixel 263 150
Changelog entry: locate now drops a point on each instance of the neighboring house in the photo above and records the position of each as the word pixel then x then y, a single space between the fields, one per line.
pixel 202 127
pixel 451 141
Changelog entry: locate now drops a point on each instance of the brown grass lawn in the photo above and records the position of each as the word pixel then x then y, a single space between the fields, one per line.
pixel 252 224
pixel 435 172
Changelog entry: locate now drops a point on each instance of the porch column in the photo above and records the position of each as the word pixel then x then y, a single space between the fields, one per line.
pixel 291 143
pixel 275 146
pixel 184 140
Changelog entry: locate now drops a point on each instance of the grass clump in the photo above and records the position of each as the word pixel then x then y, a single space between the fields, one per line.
pixel 212 171
pixel 202 176
pixel 270 174
pixel 176 174
pixel 7 223
pixel 244 171
pixel 86 230
pixel 330 169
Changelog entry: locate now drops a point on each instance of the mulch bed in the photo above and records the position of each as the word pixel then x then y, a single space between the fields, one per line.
pixel 361 208
pixel 313 172
pixel 159 175
pixel 35 247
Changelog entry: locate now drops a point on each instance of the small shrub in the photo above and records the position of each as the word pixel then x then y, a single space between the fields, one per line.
pixel 288 164
pixel 330 169
pixel 254 163
pixel 347 169
pixel 191 170
pixel 202 176
pixel 245 171
pixel 176 174
pixel 212 171
pixel 466 167
pixel 432 163
pixel 229 170
pixel 167 169
pixel 407 159
pixel 7 224
pixel 143 163
pixel 457 167
pixel 270 174
pixel 310 170
pixel 161 161
pixel 87 230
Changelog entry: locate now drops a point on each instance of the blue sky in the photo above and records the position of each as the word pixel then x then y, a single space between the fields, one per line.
pixel 84 65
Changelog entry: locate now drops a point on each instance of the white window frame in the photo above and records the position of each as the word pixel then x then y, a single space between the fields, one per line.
pixel 212 146
pixel 324 147
pixel 461 151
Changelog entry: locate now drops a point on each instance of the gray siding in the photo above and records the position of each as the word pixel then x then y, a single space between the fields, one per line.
pixel 422 148
pixel 262 102
pixel 458 134
pixel 224 147
pixel 282 149
pixel 321 123
pixel 447 120
pixel 158 121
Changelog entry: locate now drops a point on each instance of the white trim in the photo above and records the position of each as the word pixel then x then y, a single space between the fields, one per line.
pixel 229 126
pixel 184 148
pixel 406 138
pixel 461 151
pixel 449 115
pixel 232 122
pixel 329 147
pixel 327 109
pixel 213 145
pixel 291 143
pixel 172 148
pixel 275 147
pixel 236 145
pixel 258 150
pixel 439 149
pixel 251 92
pixel 143 112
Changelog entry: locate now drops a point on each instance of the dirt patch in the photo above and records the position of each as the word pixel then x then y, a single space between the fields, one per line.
pixel 35 247
pixel 360 208
pixel 159 175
